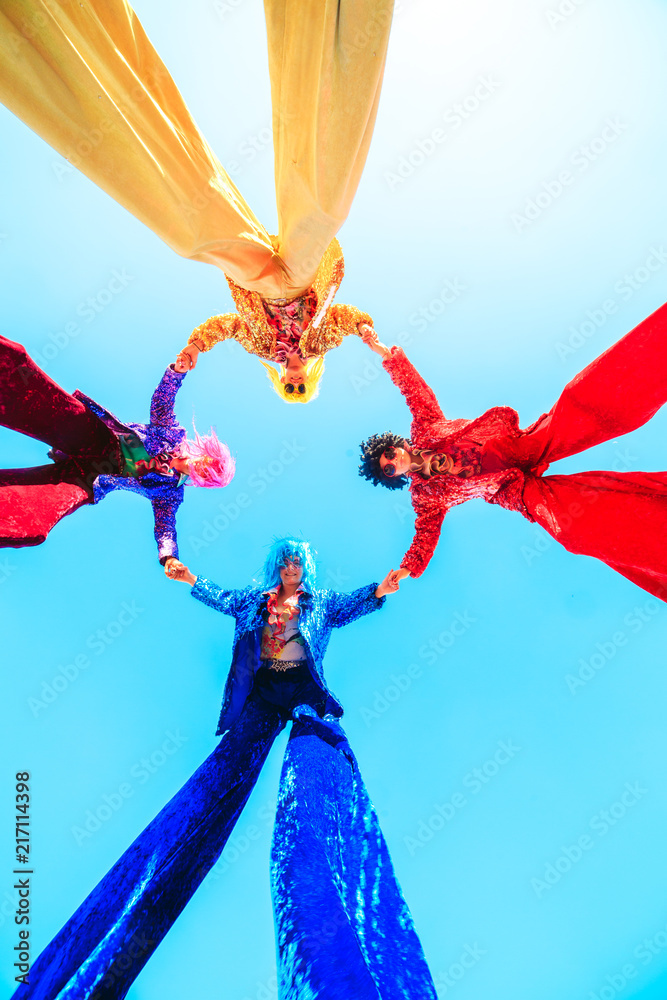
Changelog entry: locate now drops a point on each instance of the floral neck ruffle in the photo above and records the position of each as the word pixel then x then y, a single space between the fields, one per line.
pixel 463 460
pixel 289 318
pixel 274 639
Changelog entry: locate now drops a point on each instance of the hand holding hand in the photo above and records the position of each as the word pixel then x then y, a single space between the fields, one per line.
pixel 187 358
pixel 174 569
pixel 391 582
pixel 371 339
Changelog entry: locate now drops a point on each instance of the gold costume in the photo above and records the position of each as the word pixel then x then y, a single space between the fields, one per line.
pixel 251 328
pixel 85 77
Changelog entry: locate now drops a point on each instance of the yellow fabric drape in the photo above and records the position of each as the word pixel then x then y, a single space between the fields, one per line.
pixel 84 76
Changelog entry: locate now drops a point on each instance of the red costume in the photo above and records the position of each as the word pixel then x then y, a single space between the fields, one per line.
pixel 618 517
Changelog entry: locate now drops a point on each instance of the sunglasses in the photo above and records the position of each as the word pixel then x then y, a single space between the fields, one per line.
pixel 389 469
pixel 290 388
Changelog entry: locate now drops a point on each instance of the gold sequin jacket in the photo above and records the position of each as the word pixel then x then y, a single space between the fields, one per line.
pixel 251 328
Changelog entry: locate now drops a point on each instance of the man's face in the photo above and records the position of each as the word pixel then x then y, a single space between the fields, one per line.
pixel 395 462
pixel 292 572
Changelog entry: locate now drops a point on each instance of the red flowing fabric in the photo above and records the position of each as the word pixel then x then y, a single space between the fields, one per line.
pixel 29 509
pixel 617 517
pixel 32 501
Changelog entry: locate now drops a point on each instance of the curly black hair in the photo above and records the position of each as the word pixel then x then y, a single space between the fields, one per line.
pixel 371 449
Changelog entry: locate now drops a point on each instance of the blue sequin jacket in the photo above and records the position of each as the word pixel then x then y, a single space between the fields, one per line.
pixel 320 612
pixel 162 434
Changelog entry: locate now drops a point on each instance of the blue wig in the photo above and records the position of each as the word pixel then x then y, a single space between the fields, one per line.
pixel 284 549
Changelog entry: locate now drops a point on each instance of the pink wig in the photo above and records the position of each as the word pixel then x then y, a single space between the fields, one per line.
pixel 216 465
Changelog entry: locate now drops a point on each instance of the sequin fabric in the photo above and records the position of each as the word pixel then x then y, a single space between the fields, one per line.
pixel 343 928
pixel 432 498
pixel 251 328
pixel 321 612
pixel 162 435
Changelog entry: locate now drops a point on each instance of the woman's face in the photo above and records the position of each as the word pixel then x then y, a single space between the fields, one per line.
pixel 291 573
pixel 395 462
pixel 294 379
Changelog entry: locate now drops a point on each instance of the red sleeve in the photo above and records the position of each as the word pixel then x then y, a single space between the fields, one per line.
pixel 418 395
pixel 428 525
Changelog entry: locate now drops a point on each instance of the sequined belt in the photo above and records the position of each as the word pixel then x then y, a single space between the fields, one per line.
pixel 282 665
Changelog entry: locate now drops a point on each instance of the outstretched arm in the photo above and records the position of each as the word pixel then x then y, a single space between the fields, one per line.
pixel 341 609
pixel 164 513
pixel 428 525
pixel 418 395
pixel 224 327
pixel 164 397
pixel 225 601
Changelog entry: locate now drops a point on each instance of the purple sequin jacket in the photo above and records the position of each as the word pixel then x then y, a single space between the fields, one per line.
pixel 162 434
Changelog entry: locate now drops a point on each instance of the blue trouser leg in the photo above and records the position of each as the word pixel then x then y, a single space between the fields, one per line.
pixel 343 927
pixel 103 947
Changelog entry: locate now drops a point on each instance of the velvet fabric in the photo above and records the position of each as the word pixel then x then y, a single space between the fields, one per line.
pixel 104 946
pixel 342 926
pixel 619 518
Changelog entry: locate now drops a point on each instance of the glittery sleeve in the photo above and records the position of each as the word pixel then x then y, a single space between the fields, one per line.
pixel 428 525
pixel 225 601
pixel 347 319
pixel 341 609
pixel 418 395
pixel 162 403
pixel 340 320
pixel 164 512
pixel 225 327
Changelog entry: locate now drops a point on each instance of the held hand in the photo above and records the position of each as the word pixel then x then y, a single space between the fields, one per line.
pixel 371 339
pixel 187 358
pixel 176 570
pixel 391 582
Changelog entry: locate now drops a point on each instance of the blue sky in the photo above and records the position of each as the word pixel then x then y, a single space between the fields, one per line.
pixel 514 186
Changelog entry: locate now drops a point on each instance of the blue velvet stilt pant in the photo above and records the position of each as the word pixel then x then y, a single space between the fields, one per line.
pixel 342 926
pixel 334 873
